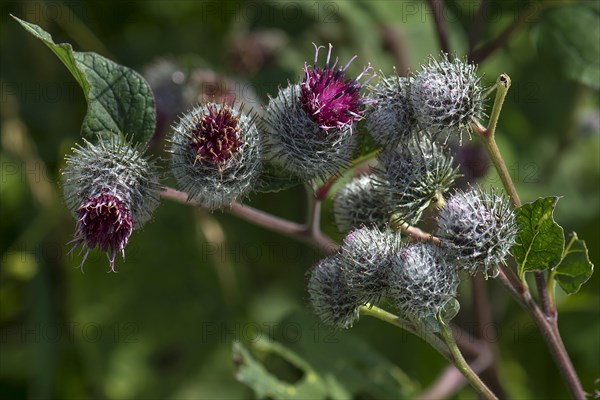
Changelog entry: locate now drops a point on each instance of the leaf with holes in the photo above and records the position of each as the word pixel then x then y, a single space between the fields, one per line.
pixel 575 268
pixel 119 99
pixel 540 242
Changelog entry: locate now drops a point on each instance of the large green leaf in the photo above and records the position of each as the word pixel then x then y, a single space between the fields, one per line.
pixel 332 364
pixel 569 37
pixel 265 385
pixel 540 242
pixel 119 99
pixel 575 268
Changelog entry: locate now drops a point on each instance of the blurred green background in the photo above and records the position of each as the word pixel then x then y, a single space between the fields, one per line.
pixel 193 281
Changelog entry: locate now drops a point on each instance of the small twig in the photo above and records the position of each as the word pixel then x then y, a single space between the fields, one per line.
pixel 408 326
pixel 418 234
pixel 546 324
pixel 479 20
pixel 266 220
pixel 483 312
pixel 462 364
pixel 436 7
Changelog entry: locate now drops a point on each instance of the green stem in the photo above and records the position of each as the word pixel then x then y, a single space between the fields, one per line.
pixel 408 326
pixel 461 363
pixel 546 321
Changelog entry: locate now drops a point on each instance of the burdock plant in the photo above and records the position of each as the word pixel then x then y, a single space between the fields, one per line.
pixel 313 132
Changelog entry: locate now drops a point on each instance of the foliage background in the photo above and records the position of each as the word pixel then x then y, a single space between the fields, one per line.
pixel 194 281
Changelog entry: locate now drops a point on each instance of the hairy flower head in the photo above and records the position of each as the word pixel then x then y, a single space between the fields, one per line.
pixel 390 119
pixel 360 202
pixel 111 189
pixel 477 229
pixel 329 293
pixel 415 176
pixel 216 154
pixel 422 283
pixel 446 95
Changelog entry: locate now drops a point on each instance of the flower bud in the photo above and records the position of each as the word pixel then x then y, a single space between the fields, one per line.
pixel 390 120
pixel 329 294
pixel 477 229
pixel 415 177
pixel 216 154
pixel 309 126
pixel 360 202
pixel 422 283
pixel 446 95
pixel 111 189
pixel 366 255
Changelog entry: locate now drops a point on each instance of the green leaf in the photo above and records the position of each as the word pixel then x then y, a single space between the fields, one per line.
pixel 119 99
pixel 540 242
pixel 570 38
pixel 332 364
pixel 253 374
pixel 575 268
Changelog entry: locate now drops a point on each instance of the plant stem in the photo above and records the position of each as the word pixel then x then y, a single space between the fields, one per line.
pixel 437 8
pixel 461 364
pixel 546 321
pixel 425 334
pixel 291 229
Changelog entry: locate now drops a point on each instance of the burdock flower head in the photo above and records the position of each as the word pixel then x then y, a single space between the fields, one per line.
pixel 446 96
pixel 477 229
pixel 390 120
pixel 111 189
pixel 216 154
pixel 415 177
pixel 423 283
pixel 361 202
pixel 309 125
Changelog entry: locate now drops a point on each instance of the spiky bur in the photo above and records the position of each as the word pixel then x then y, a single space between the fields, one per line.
pixel 414 177
pixel 360 202
pixel 477 228
pixel 422 283
pixel 390 119
pixel 329 293
pixel 216 154
pixel 309 125
pixel 356 275
pixel 111 189
pixel 446 95
pixel 367 253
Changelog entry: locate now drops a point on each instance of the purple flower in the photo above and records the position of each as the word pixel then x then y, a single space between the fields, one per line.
pixel 106 222
pixel 329 99
pixel 215 135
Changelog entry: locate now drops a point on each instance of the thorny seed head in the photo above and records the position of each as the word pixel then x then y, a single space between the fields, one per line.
pixel 328 98
pixel 216 154
pixel 421 281
pixel 446 95
pixel 477 229
pixel 366 255
pixel 111 189
pixel 329 293
pixel 414 177
pixel 360 202
pixel 390 119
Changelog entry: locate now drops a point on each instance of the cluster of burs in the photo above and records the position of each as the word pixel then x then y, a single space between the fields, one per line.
pixel 218 153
